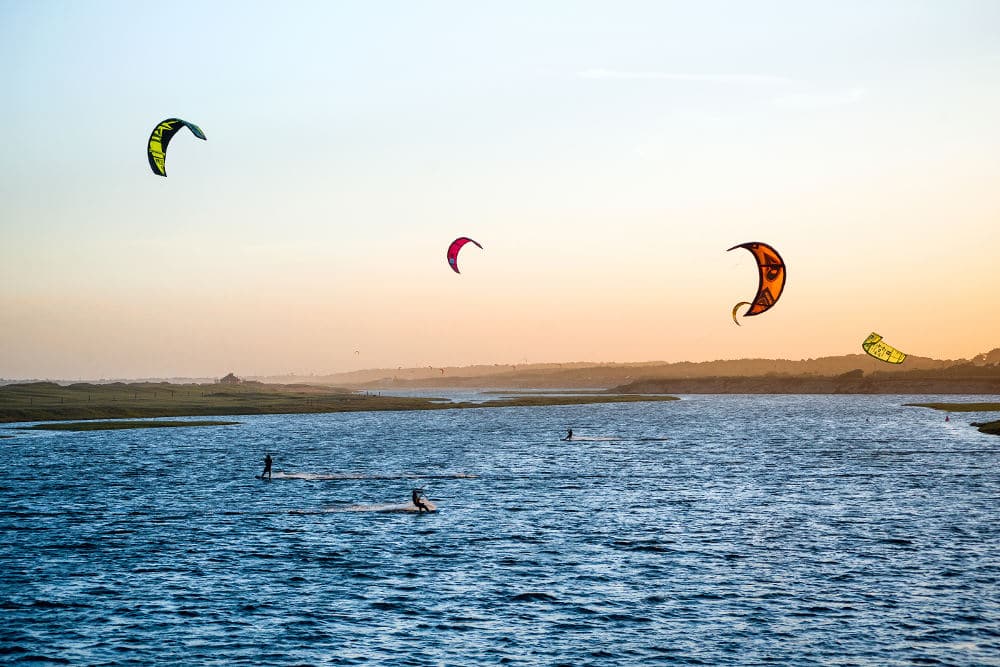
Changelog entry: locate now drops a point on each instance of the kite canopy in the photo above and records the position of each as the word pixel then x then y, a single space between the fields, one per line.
pixel 772 278
pixel 874 346
pixel 453 249
pixel 162 134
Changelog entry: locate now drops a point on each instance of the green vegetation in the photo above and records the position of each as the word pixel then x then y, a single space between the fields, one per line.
pixel 116 426
pixel 959 407
pixel 993 428
pixel 47 401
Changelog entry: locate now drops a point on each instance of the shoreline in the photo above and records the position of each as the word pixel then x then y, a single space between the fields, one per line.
pixel 990 427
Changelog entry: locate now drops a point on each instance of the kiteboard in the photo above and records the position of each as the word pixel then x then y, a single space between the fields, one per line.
pixel 427 504
pixel 402 508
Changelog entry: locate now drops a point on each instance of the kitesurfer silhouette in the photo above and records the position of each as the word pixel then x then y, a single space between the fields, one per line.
pixel 267 466
pixel 421 507
pixel 569 435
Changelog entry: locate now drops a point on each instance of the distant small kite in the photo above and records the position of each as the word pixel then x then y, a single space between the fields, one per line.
pixel 771 279
pixel 156 150
pixel 453 249
pixel 874 346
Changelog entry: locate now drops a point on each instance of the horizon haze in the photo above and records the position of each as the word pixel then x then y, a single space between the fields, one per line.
pixel 547 374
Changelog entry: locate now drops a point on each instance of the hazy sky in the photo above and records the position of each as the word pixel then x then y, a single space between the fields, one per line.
pixel 605 154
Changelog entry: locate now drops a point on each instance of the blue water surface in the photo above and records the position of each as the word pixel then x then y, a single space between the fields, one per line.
pixel 716 530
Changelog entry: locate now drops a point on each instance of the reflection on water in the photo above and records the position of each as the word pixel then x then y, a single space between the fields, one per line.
pixel 715 530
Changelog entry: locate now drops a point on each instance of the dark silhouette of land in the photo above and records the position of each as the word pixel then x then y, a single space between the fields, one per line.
pixel 958 379
pixel 852 373
pixel 992 428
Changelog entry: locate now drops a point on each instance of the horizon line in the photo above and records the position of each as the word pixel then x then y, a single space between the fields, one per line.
pixel 521 366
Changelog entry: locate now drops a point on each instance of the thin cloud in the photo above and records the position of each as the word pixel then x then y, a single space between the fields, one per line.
pixel 731 79
pixel 811 101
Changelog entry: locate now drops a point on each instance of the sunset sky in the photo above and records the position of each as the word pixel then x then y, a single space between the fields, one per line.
pixel 605 154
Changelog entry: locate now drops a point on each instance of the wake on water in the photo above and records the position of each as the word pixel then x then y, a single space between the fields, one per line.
pixel 610 438
pixel 383 508
pixel 353 507
pixel 319 476
pixel 390 508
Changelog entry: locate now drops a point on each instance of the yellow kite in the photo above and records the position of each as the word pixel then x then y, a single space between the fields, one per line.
pixel 874 346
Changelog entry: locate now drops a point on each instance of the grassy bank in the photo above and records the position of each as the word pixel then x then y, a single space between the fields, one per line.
pixel 993 428
pixel 959 407
pixel 47 401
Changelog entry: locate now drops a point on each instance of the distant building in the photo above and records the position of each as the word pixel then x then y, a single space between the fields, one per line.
pixel 230 379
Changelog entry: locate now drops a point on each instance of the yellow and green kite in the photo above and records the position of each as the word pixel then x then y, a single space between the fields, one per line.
pixel 156 149
pixel 874 346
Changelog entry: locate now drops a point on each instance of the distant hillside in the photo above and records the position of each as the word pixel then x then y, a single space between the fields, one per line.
pixel 583 374
pixel 991 357
pixel 417 375
pixel 607 375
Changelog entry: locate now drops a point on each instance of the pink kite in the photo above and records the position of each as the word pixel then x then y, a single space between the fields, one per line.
pixel 453 249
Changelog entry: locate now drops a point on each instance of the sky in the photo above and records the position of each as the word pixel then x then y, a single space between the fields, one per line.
pixel 605 155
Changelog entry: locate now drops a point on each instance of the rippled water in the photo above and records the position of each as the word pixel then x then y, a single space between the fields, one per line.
pixel 715 530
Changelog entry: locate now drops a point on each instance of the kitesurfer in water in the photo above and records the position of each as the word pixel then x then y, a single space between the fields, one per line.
pixel 569 435
pixel 418 503
pixel 267 466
